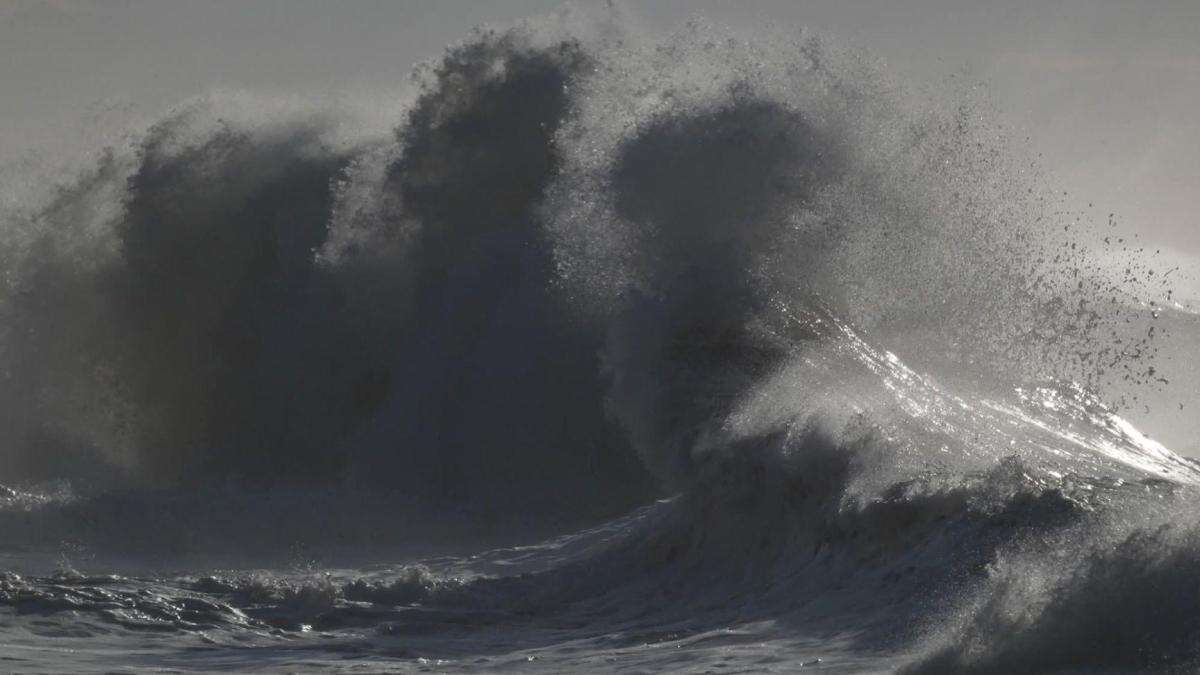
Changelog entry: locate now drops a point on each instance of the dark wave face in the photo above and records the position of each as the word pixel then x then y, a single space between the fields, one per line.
pixel 207 338
pixel 844 331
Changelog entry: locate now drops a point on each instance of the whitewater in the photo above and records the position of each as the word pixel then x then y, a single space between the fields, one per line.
pixel 612 352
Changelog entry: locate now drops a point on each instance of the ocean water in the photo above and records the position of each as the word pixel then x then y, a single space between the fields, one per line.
pixel 611 353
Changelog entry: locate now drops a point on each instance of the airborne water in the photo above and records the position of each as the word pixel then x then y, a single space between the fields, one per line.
pixel 616 353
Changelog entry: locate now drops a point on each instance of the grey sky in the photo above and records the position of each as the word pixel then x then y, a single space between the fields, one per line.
pixel 1107 91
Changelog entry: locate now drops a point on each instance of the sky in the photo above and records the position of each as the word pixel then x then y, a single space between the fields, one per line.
pixel 1106 92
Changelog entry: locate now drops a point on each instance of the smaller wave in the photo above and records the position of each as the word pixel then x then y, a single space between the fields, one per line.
pixel 785 538
pixel 1126 602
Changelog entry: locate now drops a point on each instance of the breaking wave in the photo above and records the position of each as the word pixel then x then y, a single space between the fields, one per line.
pixel 844 329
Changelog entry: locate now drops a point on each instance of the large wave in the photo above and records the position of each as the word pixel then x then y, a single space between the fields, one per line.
pixel 588 268
pixel 571 246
